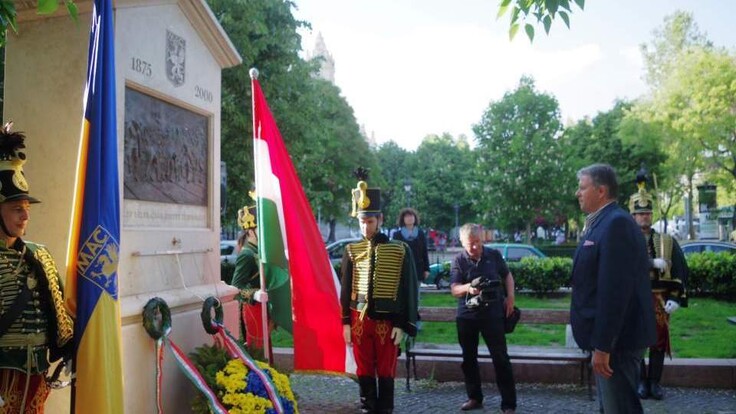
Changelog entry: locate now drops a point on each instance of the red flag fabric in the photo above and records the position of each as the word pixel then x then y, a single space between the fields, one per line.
pixel 286 219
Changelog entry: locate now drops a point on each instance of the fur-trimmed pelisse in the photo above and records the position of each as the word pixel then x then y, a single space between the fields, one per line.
pixel 13 184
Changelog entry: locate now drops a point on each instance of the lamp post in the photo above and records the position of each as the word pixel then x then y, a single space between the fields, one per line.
pixel 407 188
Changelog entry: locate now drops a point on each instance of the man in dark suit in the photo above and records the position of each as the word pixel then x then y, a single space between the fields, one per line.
pixel 611 311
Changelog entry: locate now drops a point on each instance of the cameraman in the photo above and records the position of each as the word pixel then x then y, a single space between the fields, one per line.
pixel 484 287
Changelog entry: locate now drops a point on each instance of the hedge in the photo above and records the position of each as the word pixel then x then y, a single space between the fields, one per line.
pixel 712 273
pixel 541 275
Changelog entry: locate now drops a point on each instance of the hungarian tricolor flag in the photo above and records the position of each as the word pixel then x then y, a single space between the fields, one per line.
pixel 302 288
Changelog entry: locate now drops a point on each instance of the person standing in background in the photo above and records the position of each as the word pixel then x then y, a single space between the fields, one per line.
pixel 410 233
pixel 668 274
pixel 246 277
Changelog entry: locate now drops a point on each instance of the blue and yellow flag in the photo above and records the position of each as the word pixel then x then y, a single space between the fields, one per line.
pixel 92 264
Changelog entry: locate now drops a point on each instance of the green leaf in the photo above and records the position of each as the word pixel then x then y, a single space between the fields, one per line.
pixel 547 23
pixel 47 6
pixel 581 4
pixel 551 6
pixel 512 31
pixel 529 31
pixel 565 4
pixel 502 10
pixel 565 18
pixel 515 15
pixel 72 9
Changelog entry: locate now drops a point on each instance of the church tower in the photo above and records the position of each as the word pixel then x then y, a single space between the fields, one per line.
pixel 327 64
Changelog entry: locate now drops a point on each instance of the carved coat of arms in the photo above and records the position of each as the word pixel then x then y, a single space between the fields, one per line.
pixel 176 52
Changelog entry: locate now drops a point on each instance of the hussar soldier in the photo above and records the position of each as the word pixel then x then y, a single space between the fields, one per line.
pixel 668 273
pixel 35 328
pixel 378 299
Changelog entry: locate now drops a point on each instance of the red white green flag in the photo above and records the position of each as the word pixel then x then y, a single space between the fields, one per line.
pixel 302 288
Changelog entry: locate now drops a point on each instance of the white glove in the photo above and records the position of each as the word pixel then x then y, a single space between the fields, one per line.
pixel 260 296
pixel 671 306
pixel 396 335
pixel 660 264
pixel 346 334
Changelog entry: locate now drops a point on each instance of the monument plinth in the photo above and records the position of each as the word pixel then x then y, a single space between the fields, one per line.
pixel 169 57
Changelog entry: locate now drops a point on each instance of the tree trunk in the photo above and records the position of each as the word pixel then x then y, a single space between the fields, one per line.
pixel 331 235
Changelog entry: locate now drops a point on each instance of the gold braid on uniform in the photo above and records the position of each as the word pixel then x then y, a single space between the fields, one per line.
pixel 65 325
pixel 389 261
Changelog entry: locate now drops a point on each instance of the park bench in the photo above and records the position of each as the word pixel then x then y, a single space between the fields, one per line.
pixel 570 354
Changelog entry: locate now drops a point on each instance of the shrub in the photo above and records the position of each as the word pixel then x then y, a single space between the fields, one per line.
pixel 542 275
pixel 712 273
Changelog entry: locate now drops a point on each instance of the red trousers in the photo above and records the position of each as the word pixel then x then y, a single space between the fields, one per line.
pixel 12 388
pixel 374 350
pixel 252 316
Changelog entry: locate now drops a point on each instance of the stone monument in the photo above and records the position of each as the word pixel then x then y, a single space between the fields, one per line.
pixel 169 57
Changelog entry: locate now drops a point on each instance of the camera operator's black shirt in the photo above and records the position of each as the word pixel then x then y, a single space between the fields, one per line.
pixel 492 266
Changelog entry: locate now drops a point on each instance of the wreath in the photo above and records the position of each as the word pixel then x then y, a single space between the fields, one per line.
pixel 238 388
pixel 153 324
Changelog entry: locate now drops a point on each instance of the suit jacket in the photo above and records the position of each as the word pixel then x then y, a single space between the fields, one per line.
pixel 611 306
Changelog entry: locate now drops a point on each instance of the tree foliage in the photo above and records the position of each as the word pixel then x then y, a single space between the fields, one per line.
pixel 529 13
pixel 8 14
pixel 608 139
pixel 519 158
pixel 442 178
pixel 316 123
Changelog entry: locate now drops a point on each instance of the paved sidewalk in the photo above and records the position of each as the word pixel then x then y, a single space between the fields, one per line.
pixel 338 395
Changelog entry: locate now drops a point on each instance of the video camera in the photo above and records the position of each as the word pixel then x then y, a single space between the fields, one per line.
pixel 490 291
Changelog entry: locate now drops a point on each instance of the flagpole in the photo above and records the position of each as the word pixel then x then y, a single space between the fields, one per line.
pixel 256 163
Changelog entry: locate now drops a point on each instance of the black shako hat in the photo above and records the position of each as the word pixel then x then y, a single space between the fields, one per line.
pixel 641 201
pixel 366 201
pixel 13 184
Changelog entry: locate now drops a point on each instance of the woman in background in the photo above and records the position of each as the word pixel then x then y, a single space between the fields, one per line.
pixel 410 233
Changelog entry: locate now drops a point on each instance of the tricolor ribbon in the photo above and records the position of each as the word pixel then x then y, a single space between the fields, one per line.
pixel 236 351
pixel 190 371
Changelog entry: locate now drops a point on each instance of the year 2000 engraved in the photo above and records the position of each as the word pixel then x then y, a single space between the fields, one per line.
pixel 202 93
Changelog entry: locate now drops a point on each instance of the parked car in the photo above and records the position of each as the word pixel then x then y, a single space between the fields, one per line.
pixel 514 252
pixel 699 246
pixel 439 275
pixel 337 248
pixel 228 252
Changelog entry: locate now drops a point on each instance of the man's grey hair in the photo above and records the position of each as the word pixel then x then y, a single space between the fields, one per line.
pixel 468 229
pixel 602 175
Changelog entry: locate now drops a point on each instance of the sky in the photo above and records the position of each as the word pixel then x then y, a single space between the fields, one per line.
pixel 410 68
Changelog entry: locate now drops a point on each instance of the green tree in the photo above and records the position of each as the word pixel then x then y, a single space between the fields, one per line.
pixel 394 167
pixel 8 13
pixel 519 158
pixel 533 12
pixel 442 177
pixel 606 139
pixel 670 59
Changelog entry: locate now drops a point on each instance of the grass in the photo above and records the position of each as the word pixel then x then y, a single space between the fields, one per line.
pixel 698 331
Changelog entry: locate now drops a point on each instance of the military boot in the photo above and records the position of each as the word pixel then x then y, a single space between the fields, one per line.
pixel 656 366
pixel 368 395
pixel 385 395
